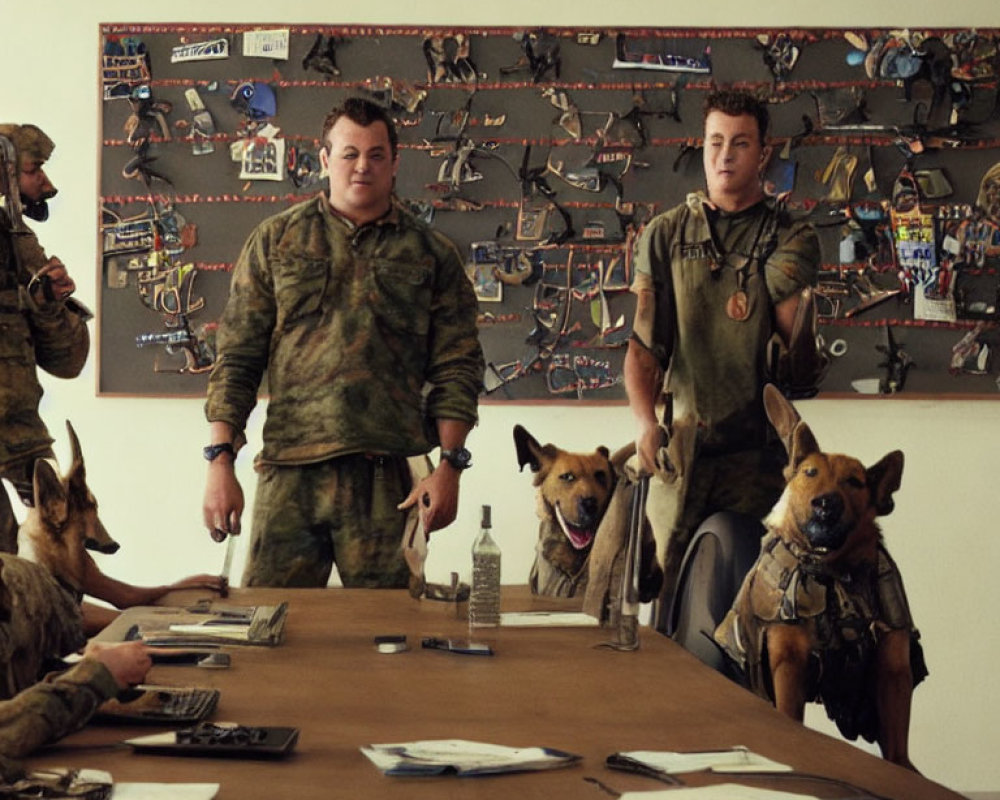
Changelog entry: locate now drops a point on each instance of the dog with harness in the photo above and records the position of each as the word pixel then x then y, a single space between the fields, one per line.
pixel 822 615
pixel 573 492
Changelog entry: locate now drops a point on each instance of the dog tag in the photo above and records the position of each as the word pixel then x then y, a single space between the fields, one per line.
pixel 738 306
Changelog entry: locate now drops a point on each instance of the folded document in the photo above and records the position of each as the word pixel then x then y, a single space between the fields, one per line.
pixel 734 760
pixel 462 757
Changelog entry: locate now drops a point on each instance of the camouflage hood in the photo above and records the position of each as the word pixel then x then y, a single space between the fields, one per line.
pixel 33 149
pixel 32 144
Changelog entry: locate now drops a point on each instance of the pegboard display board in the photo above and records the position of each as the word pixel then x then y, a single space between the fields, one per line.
pixel 541 153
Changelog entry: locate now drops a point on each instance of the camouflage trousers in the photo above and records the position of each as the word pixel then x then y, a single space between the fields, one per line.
pixel 342 511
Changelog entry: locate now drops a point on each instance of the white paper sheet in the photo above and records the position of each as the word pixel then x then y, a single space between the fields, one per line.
pixel 737 759
pixel 549 619
pixel 164 791
pixel 723 791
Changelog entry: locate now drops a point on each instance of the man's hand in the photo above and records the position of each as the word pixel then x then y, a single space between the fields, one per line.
pixel 51 283
pixel 436 497
pixel 223 504
pixel 213 583
pixel 647 445
pixel 128 662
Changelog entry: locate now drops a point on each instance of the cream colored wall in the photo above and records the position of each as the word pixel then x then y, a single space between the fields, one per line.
pixel 144 460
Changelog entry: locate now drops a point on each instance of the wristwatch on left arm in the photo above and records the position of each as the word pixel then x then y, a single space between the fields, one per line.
pixel 459 458
pixel 213 451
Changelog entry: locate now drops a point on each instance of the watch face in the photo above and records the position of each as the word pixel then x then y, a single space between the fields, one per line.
pixel 459 459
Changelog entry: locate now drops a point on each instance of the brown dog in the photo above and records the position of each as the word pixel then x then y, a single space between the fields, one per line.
pixel 573 494
pixel 822 614
pixel 64 524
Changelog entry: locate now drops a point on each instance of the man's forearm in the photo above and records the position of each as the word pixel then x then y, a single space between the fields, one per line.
pixel 54 707
pixel 643 382
pixel 452 433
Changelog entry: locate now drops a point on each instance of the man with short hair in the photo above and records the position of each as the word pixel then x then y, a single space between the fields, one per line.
pixel 717 279
pixel 365 321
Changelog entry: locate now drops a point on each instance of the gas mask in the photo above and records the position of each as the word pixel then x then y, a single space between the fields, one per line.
pixel 37 210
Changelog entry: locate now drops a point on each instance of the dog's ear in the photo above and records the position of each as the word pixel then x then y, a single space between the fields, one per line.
pixel 782 415
pixel 795 435
pixel 884 478
pixel 604 452
pixel 76 468
pixel 529 451
pixel 802 445
pixel 50 494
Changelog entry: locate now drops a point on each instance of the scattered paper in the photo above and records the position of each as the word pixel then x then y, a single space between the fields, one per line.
pixel 737 759
pixel 462 757
pixel 723 791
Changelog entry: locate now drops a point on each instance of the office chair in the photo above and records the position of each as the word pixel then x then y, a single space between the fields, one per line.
pixel 719 556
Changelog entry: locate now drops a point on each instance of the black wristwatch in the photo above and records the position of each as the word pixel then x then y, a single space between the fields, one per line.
pixel 213 451
pixel 459 458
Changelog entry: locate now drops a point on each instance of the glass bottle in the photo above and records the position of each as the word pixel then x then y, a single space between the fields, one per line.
pixel 484 601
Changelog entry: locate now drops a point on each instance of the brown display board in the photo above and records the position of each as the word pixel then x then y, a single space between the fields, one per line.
pixel 541 153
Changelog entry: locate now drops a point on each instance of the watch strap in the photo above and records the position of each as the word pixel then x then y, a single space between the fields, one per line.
pixel 213 451
pixel 459 458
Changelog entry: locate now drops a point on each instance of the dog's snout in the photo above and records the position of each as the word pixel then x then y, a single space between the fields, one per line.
pixel 828 506
pixel 588 507
pixel 108 547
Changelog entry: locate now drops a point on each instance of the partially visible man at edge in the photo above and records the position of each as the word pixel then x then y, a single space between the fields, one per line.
pixel 64 701
pixel 41 326
pixel 366 324
pixel 718 279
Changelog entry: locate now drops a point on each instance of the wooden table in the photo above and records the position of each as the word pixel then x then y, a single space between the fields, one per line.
pixel 552 687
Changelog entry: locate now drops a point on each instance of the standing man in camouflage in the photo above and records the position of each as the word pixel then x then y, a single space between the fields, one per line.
pixel 40 324
pixel 718 282
pixel 366 324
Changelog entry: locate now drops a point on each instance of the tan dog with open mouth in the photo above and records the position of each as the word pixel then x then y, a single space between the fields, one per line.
pixel 64 524
pixel 822 614
pixel 573 494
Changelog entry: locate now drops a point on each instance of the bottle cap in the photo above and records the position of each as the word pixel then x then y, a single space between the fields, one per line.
pixel 486 518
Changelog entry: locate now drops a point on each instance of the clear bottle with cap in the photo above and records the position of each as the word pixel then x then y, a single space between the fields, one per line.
pixel 484 600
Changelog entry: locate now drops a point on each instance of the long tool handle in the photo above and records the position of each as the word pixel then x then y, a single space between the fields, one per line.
pixel 633 552
pixel 227 563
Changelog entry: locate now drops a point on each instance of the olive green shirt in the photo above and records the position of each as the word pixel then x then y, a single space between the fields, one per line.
pixel 716 366
pixel 368 335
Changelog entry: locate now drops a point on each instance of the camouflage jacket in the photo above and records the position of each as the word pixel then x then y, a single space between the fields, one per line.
pixel 48 710
pixel 718 365
pixel 40 622
pixel 368 335
pixel 52 336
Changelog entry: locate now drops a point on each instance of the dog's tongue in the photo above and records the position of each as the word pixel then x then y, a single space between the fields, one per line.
pixel 578 537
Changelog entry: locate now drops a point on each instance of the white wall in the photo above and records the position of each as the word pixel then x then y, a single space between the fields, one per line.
pixel 144 456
